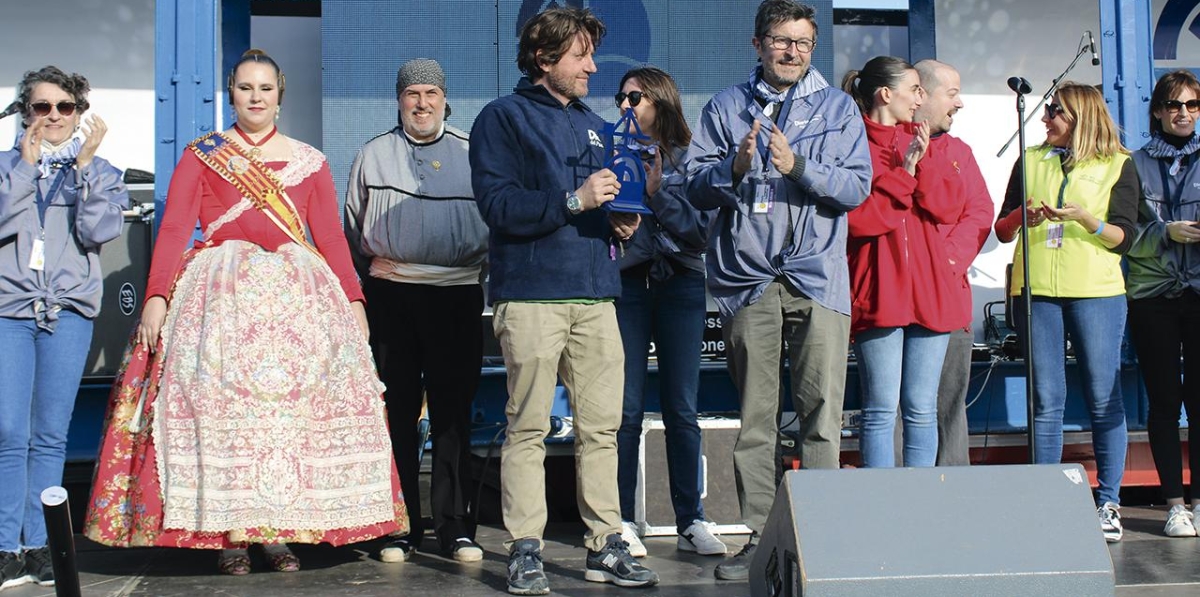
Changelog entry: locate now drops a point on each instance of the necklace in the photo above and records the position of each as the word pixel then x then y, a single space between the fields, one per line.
pixel 255 148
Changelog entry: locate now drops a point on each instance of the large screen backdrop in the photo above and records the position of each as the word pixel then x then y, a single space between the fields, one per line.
pixel 704 44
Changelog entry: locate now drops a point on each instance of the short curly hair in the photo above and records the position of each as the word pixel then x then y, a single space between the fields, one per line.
pixel 74 84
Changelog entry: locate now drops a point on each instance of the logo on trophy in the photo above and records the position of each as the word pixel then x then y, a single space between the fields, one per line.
pixel 628 149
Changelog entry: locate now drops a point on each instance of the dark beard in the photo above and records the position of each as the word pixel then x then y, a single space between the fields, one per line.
pixel 564 88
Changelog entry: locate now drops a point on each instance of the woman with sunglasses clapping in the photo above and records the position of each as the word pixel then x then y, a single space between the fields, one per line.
pixel 58 204
pixel 1164 286
pixel 662 298
pixel 1081 207
pixel 249 411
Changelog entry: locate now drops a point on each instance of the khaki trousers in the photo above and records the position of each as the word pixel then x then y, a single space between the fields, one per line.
pixel 818 340
pixel 582 344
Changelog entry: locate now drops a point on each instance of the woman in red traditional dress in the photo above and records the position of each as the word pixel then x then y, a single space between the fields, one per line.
pixel 249 410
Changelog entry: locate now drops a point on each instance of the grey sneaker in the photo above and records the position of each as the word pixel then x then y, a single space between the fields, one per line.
pixel 1110 521
pixel 738 567
pixel 38 568
pixel 12 570
pixel 525 574
pixel 1180 522
pixel 616 565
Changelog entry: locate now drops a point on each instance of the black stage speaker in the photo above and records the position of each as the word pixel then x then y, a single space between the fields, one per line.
pixel 979 530
pixel 125 263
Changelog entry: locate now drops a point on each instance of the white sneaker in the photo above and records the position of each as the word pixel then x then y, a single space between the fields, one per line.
pixel 629 535
pixel 698 538
pixel 1180 522
pixel 1110 521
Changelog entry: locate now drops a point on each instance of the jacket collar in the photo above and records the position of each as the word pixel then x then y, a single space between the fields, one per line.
pixel 810 84
pixel 538 93
pixel 881 134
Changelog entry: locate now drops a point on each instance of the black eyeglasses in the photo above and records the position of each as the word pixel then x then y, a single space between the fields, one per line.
pixel 780 42
pixel 635 98
pixel 1193 105
pixel 43 108
pixel 1053 110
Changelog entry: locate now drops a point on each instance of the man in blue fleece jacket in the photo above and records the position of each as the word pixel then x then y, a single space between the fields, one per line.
pixel 537 170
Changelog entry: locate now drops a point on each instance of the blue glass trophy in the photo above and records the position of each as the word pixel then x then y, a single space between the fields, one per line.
pixel 628 149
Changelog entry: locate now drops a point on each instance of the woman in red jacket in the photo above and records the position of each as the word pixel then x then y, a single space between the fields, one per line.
pixel 900 277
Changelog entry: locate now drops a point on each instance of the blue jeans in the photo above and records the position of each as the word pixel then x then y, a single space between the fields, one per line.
pixel 672 313
pixel 39 378
pixel 899 367
pixel 1096 326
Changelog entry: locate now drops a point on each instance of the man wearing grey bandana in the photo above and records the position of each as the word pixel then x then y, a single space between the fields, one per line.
pixel 420 247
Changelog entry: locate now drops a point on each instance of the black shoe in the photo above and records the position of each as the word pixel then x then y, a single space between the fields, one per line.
pixel 738 567
pixel 614 564
pixel 525 574
pixel 38 568
pixel 12 570
pixel 466 550
pixel 396 550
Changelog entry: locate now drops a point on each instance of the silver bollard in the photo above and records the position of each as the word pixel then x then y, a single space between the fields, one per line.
pixel 57 512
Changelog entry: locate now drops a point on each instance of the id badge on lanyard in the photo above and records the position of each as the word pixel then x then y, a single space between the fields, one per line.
pixel 37 253
pixel 764 196
pixel 764 191
pixel 1054 236
pixel 37 256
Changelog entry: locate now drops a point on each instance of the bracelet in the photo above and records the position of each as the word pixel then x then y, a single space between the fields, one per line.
pixel 1099 229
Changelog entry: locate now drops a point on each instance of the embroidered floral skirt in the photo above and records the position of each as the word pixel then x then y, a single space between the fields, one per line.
pixel 259 418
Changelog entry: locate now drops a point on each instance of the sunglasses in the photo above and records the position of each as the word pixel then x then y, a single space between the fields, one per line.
pixel 1053 110
pixel 43 108
pixel 635 98
pixel 1193 106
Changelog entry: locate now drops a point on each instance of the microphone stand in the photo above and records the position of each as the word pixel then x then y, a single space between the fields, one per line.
pixel 1026 293
pixel 1083 49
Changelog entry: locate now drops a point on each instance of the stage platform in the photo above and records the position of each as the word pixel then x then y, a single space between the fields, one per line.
pixel 1147 564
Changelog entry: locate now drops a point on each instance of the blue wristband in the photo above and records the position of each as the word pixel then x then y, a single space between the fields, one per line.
pixel 1099 229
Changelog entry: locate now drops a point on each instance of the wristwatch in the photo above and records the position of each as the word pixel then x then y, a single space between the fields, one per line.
pixel 574 204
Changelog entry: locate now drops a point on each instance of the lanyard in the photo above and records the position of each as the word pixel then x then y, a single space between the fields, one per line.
pixel 1177 200
pixel 43 201
pixel 781 115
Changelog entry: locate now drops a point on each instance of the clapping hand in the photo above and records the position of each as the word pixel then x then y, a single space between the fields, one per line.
pixel 31 143
pixel 781 151
pixel 653 168
pixel 917 148
pixel 93 133
pixel 745 151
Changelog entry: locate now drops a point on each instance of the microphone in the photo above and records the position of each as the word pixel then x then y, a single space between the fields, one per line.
pixel 1092 45
pixel 12 108
pixel 1019 85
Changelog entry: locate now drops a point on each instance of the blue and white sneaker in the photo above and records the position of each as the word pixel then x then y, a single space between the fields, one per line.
pixel 525 574
pixel 1110 521
pixel 616 565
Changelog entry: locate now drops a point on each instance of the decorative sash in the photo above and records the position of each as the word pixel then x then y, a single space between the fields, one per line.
pixel 258 183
